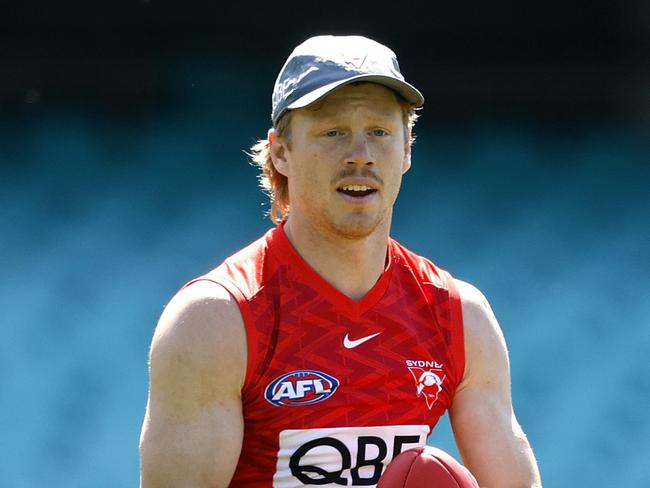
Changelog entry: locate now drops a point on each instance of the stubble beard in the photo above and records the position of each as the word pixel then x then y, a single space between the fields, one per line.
pixel 353 227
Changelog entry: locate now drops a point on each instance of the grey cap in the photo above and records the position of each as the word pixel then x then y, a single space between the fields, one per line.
pixel 324 63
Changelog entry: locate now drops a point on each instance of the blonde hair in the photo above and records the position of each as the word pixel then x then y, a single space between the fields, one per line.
pixel 275 184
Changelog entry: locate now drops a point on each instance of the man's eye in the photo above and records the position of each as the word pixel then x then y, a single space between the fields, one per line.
pixel 379 132
pixel 332 133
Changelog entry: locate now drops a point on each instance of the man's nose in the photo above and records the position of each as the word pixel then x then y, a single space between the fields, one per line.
pixel 360 151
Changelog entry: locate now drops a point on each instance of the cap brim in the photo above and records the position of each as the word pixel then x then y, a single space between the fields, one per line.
pixel 406 90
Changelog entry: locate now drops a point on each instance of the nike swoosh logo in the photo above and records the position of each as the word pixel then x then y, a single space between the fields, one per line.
pixel 352 344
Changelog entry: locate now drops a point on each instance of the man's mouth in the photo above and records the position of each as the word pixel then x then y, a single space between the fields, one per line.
pixel 356 190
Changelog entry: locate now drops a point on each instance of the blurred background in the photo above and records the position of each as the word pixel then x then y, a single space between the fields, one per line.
pixel 122 176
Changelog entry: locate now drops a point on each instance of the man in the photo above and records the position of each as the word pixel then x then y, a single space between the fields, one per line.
pixel 321 351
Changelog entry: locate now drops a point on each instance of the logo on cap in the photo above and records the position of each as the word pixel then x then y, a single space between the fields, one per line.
pixel 355 57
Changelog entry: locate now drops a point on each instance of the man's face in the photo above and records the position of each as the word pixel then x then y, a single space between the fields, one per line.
pixel 345 160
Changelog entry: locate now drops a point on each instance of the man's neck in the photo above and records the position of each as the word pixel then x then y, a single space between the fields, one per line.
pixel 352 266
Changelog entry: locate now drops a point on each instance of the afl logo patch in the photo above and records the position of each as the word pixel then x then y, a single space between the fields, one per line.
pixel 301 388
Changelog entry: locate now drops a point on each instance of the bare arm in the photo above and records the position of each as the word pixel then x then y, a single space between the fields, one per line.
pixel 490 440
pixel 193 426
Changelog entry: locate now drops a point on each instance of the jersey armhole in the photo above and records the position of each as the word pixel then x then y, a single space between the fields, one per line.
pixel 456 325
pixel 251 337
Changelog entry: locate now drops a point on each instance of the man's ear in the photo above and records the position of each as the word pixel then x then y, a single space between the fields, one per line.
pixel 278 152
pixel 406 162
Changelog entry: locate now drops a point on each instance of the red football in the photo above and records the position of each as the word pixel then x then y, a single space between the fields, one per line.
pixel 426 467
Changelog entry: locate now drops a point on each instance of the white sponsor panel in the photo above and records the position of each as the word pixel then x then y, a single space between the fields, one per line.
pixel 342 456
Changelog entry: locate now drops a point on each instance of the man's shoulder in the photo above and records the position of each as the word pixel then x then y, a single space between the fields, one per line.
pixel 202 309
pixel 198 352
pixel 241 272
pixel 200 319
pixel 409 254
pixel 471 296
pixel 253 250
pixel 482 330
pixel 477 313
pixel 249 253
pixel 423 267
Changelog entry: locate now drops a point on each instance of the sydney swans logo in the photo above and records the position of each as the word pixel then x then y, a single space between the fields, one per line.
pixel 428 380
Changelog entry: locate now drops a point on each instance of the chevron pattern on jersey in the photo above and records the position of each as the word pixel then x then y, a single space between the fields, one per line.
pixel 297 322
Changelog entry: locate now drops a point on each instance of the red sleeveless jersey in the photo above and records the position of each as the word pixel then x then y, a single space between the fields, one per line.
pixel 336 388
